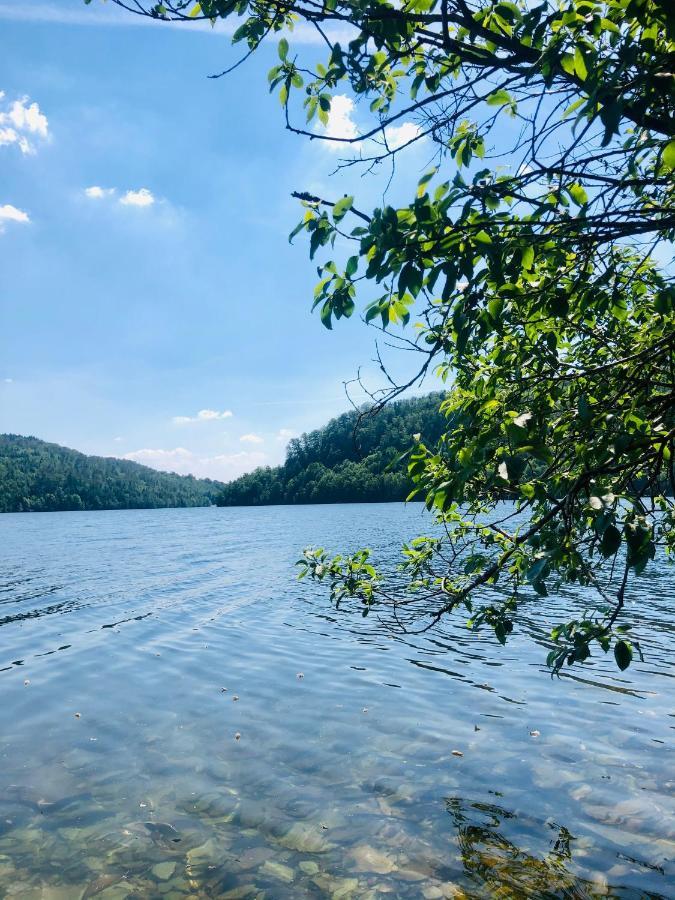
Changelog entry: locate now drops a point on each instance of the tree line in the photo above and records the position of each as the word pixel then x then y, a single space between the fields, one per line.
pixel 351 459
pixel 36 476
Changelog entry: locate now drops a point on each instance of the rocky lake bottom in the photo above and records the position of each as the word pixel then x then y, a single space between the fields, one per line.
pixel 181 718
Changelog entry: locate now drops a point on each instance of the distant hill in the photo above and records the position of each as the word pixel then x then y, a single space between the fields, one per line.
pixel 36 476
pixel 338 464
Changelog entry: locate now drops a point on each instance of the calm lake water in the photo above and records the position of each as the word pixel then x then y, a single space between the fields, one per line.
pixel 136 646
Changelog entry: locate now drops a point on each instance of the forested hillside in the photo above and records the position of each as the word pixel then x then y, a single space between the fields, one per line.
pixel 38 477
pixel 343 463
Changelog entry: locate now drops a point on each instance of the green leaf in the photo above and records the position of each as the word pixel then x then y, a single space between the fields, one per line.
pixel 668 158
pixel 283 49
pixel 424 180
pixel 410 279
pixel 527 258
pixel 578 194
pixel 326 312
pixel 538 571
pixel 499 98
pixel 528 491
pixel 611 541
pixel 623 654
pixel 580 65
pixel 342 207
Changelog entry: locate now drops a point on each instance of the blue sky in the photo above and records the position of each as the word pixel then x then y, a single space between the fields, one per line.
pixel 146 272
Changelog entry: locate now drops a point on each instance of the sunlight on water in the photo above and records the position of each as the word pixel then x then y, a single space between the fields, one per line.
pixel 181 718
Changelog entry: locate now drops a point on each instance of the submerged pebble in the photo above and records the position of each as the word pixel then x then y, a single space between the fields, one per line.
pixel 278 871
pixel 370 859
pixel 164 871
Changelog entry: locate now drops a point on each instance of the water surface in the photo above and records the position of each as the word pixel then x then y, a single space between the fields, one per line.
pixel 156 739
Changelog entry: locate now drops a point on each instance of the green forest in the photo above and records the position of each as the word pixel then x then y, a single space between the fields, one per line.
pixel 36 476
pixel 352 459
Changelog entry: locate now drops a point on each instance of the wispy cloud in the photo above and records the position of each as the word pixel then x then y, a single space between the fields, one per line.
pixel 285 434
pixel 21 123
pixel 142 197
pixel 400 135
pixel 252 439
pixel 204 415
pixel 222 467
pixel 98 193
pixel 9 213
pixel 63 13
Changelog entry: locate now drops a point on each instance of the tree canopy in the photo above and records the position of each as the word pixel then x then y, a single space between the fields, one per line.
pixel 36 476
pixel 352 459
pixel 532 267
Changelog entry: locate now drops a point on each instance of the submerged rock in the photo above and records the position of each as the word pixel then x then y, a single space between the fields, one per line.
pixel 279 871
pixel 220 805
pixel 203 853
pixel 253 857
pixel 164 871
pixel 101 884
pixel 240 893
pixel 309 867
pixel 344 888
pixel 163 833
pixel 304 839
pixel 369 859
pixel 61 892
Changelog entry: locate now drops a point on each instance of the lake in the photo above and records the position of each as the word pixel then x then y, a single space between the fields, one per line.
pixel 181 718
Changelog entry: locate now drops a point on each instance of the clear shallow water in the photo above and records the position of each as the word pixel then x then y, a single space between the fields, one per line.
pixel 120 774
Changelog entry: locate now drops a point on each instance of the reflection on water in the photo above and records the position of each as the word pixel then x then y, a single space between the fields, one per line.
pixel 505 869
pixel 129 770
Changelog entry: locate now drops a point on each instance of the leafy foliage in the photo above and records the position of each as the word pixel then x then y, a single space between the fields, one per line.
pixel 530 261
pixel 39 477
pixel 352 459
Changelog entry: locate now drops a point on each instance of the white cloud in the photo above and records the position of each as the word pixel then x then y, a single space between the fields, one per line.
pixel 159 459
pixel 340 123
pixel 252 439
pixel 142 197
pixel 21 122
pixel 222 467
pixel 399 135
pixel 118 440
pixel 285 434
pixel 9 213
pixel 8 380
pixel 204 415
pixel 98 193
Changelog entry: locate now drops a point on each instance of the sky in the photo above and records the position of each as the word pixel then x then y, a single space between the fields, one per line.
pixel 151 306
